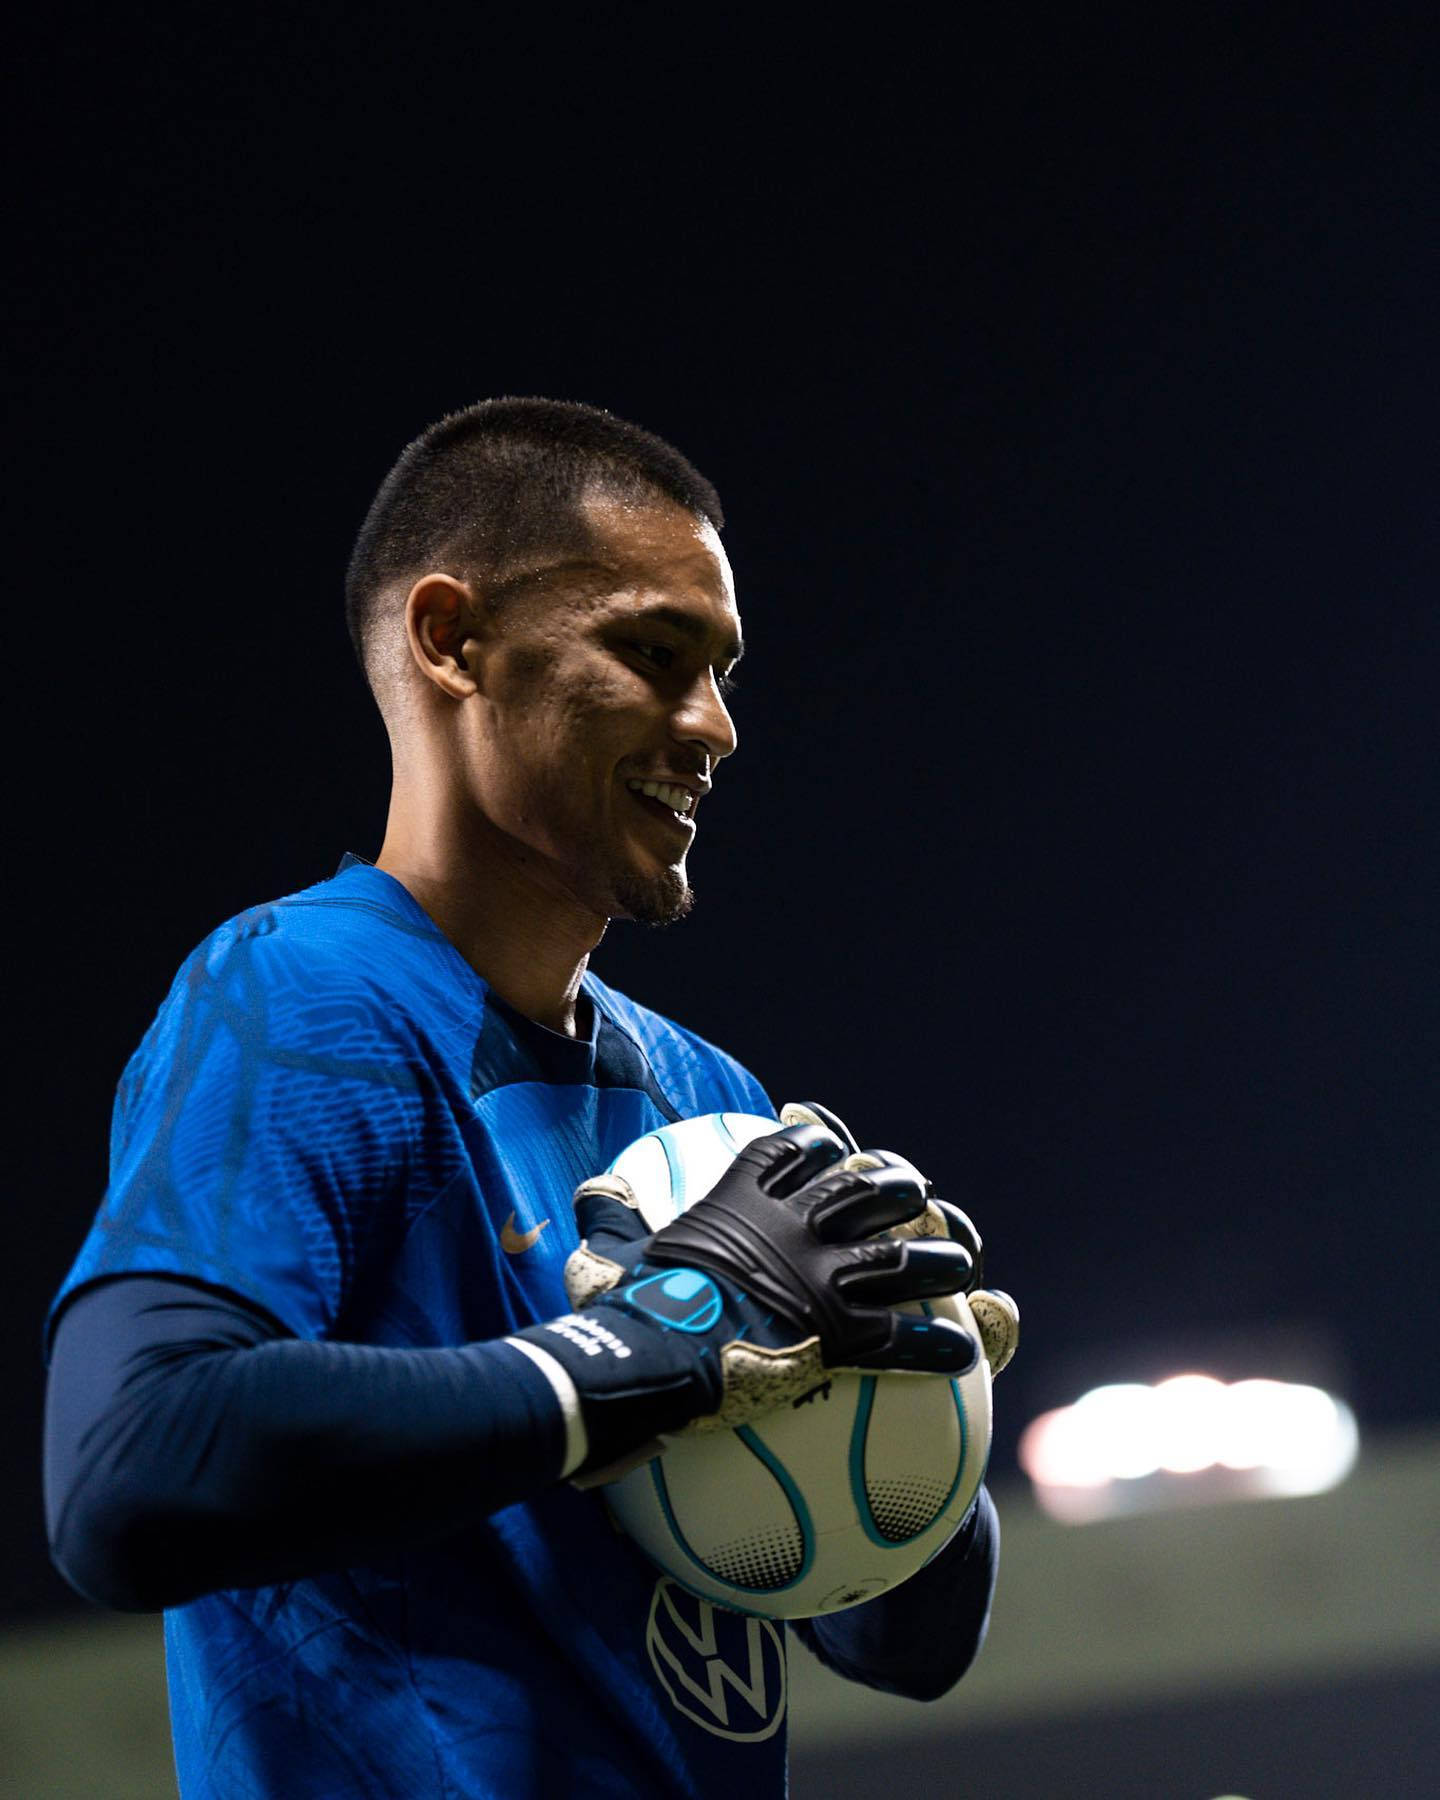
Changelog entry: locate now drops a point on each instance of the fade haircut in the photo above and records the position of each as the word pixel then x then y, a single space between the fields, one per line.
pixel 498 482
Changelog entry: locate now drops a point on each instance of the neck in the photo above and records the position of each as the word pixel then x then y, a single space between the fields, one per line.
pixel 527 939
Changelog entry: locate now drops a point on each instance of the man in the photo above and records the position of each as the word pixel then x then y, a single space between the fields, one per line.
pixel 316 1388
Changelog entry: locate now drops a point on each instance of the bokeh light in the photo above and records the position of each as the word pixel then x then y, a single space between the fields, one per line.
pixel 1131 1447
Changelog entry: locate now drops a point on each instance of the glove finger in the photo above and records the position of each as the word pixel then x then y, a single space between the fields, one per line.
pixel 919 1270
pixel 811 1112
pixel 605 1216
pixel 998 1317
pixel 926 1346
pixel 960 1229
pixel 853 1204
pixel 786 1160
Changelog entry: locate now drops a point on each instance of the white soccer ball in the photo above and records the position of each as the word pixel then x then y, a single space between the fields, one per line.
pixel 825 1502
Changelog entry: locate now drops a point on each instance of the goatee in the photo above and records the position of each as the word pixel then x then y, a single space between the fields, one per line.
pixel 654 900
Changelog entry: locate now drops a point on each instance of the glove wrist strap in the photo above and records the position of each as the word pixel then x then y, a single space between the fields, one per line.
pixel 632 1381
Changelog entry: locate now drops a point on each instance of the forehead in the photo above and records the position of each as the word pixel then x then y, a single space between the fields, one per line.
pixel 645 556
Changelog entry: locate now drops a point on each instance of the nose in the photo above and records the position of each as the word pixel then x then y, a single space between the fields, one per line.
pixel 703 718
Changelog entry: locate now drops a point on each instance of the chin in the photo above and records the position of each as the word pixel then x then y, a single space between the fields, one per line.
pixel 660 899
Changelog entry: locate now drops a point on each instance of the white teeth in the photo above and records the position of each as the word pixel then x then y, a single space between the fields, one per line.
pixel 678 799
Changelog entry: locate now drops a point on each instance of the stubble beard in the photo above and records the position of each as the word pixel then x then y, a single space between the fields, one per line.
pixel 615 888
pixel 657 900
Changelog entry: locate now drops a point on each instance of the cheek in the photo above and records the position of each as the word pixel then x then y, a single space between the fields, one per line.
pixel 567 720
pixel 595 715
pixel 559 749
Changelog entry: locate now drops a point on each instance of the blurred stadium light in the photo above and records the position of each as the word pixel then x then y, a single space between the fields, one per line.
pixel 1190 1439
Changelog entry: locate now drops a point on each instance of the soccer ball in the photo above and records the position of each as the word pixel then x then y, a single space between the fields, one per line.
pixel 822 1503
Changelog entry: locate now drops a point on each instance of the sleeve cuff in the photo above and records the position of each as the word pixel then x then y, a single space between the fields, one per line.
pixel 576 1441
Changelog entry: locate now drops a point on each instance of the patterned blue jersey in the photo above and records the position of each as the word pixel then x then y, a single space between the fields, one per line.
pixel 334 1118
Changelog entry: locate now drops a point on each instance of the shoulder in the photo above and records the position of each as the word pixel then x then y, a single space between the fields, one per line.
pixel 695 1075
pixel 357 923
pixel 352 947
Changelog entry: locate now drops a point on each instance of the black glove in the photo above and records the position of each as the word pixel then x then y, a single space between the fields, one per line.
pixel 742 1303
pixel 795 1233
pixel 996 1316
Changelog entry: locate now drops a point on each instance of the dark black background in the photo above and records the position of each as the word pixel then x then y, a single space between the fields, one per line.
pixel 1071 386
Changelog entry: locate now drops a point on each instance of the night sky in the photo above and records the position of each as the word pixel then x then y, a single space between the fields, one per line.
pixel 1072 392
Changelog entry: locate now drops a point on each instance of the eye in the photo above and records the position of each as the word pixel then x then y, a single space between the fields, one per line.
pixel 659 656
pixel 727 683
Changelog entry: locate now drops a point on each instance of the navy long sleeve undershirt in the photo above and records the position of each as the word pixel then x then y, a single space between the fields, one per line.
pixel 191 1445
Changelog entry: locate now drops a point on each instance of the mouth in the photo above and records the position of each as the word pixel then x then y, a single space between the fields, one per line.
pixel 666 801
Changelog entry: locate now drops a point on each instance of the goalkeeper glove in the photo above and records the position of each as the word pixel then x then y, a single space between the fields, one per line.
pixel 743 1302
pixel 996 1314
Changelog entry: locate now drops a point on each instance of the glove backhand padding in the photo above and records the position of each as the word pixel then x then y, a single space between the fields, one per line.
pixel 996 1314
pixel 780 1271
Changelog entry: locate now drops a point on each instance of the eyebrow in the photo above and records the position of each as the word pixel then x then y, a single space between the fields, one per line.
pixel 660 613
pixel 673 616
pixel 688 626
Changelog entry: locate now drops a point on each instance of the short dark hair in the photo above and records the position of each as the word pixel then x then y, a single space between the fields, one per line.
pixel 503 479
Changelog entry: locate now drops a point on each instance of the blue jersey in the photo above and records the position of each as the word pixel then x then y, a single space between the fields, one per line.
pixel 333 1118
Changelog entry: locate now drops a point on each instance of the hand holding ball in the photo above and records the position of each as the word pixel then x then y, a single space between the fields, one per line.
pixel 843 1453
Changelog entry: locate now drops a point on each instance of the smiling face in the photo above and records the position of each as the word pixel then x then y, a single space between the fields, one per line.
pixel 600 713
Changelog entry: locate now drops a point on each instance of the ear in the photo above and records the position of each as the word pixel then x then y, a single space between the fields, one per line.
pixel 444 624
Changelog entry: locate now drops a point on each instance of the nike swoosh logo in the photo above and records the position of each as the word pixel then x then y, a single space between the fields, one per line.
pixel 516 1243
